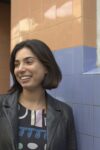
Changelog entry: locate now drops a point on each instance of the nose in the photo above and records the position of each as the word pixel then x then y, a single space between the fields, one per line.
pixel 21 67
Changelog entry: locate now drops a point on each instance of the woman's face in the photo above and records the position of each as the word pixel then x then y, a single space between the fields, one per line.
pixel 29 71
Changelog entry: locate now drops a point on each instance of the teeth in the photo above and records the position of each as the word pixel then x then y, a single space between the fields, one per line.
pixel 23 78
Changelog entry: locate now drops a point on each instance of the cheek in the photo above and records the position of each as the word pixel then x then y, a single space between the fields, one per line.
pixel 39 68
pixel 40 73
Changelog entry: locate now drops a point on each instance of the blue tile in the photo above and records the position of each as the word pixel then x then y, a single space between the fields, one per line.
pixel 83 89
pixel 97 89
pixel 78 60
pixel 76 88
pixel 84 118
pixel 97 121
pixel 65 60
pixel 87 89
pixel 85 142
pixel 64 91
pixel 96 143
pixel 89 58
pixel 70 60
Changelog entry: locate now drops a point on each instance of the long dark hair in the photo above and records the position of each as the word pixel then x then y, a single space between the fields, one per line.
pixel 45 56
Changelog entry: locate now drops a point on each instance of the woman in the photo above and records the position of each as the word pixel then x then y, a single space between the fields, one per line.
pixel 29 117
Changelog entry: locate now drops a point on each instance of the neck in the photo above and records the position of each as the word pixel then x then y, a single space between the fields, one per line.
pixel 33 99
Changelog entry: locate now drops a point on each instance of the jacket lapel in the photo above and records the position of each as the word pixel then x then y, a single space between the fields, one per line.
pixel 10 110
pixel 53 118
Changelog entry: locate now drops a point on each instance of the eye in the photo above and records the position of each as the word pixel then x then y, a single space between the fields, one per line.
pixel 16 64
pixel 30 61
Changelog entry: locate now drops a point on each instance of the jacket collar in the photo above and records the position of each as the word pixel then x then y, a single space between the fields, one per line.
pixel 10 100
pixel 53 118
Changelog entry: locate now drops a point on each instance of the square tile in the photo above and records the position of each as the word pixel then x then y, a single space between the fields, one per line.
pixel 84 118
pixel 89 58
pixel 96 143
pixel 78 60
pixel 64 58
pixel 64 91
pixel 85 142
pixel 96 116
pixel 97 89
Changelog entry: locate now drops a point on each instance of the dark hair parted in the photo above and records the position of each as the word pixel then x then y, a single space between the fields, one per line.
pixel 45 56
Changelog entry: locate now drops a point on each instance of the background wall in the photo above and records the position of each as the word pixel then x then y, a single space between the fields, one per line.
pixel 4 46
pixel 69 28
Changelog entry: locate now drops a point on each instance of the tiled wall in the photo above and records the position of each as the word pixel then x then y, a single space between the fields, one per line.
pixel 48 20
pixel 71 22
pixel 69 28
pixel 80 89
pixel 4 46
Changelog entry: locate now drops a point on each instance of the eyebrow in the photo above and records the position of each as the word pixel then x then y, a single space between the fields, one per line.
pixel 26 58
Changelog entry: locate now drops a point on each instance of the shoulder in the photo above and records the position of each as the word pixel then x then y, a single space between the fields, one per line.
pixel 2 98
pixel 65 108
pixel 7 98
pixel 62 106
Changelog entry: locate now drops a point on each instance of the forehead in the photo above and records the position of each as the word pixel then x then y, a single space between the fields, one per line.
pixel 23 53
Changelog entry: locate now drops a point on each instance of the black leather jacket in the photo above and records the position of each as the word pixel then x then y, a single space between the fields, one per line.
pixel 60 124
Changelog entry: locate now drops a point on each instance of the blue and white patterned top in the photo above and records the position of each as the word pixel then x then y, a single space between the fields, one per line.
pixel 32 133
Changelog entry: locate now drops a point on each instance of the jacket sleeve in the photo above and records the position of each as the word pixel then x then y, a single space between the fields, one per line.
pixel 71 133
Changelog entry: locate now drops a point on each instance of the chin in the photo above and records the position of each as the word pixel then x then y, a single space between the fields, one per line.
pixel 27 87
pixel 31 86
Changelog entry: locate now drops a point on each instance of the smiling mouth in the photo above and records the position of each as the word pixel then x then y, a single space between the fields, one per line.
pixel 25 78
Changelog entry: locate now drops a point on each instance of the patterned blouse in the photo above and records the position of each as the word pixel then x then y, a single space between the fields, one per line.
pixel 32 133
